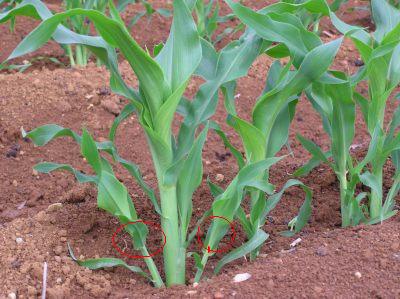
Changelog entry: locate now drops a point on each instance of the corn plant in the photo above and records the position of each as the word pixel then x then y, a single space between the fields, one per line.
pixel 268 131
pixel 336 103
pixel 6 5
pixel 78 54
pixel 148 11
pixel 312 19
pixel 176 158
pixel 208 20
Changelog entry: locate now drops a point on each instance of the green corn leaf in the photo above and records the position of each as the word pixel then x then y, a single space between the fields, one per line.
pixel 44 134
pixel 114 198
pixel 125 113
pixel 134 170
pixel 262 186
pixel 62 35
pixel 191 4
pixel 343 122
pixel 394 123
pixel 48 167
pixel 197 260
pixel 160 149
pixel 209 61
pixel 305 210
pixel 315 63
pixel 90 152
pixel 381 218
pixel 233 62
pixel 281 127
pixel 370 180
pixel 390 202
pixel 235 152
pixel 101 263
pixel 198 223
pixel 272 30
pixel 322 104
pixel 228 91
pixel 253 139
pixel 313 6
pixel 309 166
pixel 149 73
pixel 229 202
pixel 363 104
pixel 385 16
pixel 358 35
pixel 244 221
pixel 214 189
pixel 314 149
pixel 165 114
pixel 181 54
pixel 374 150
pixel 190 178
pixel 256 241
pixel 136 18
pixel 394 69
pixel 166 13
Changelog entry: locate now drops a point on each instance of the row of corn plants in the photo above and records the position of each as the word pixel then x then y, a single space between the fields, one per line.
pixel 79 55
pixel 276 30
pixel 337 102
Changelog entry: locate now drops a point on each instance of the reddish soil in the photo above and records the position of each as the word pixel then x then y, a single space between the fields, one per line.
pixel 47 211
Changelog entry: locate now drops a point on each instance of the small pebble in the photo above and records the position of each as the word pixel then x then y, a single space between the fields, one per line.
pixel 35 172
pixel 395 246
pixel 54 207
pixel 322 251
pixel 15 183
pixel 358 62
pixel 191 293
pixel 270 283
pixel 59 280
pixel 218 295
pixel 357 274
pixel 12 296
pixel 62 233
pixel 66 269
pixel 368 254
pixel 19 240
pixel 195 285
pixel 318 289
pixel 219 177
pixel 58 250
pixel 31 291
pixel 295 242
pixel 241 277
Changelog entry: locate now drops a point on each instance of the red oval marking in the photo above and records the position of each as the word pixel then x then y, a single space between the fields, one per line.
pixel 233 237
pixel 151 223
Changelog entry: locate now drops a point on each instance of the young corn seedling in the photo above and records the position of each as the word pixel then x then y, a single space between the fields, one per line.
pixel 268 131
pixel 162 82
pixel 79 55
pixel 208 20
pixel 148 11
pixel 336 105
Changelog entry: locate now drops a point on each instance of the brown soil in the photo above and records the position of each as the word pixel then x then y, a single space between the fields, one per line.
pixel 47 211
